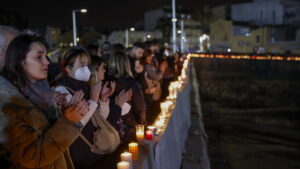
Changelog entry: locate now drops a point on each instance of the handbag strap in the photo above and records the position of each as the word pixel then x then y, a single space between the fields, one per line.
pixel 148 81
pixel 85 140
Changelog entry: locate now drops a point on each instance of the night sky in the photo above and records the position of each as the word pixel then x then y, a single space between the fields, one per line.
pixel 103 14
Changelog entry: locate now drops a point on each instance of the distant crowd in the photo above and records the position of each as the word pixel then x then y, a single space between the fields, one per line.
pixel 77 107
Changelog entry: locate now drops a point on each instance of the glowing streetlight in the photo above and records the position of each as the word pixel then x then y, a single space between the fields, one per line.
pixel 132 29
pixel 83 10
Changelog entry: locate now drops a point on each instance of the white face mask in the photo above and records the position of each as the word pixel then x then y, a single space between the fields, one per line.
pixel 83 74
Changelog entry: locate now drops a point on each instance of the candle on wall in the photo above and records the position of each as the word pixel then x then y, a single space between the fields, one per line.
pixel 164 108
pixel 179 78
pixel 139 131
pixel 171 104
pixel 157 132
pixel 149 134
pixel 151 128
pixel 159 124
pixel 123 165
pixel 133 147
pixel 126 156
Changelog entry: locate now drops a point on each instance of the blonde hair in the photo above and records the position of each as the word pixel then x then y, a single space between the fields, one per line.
pixel 95 65
pixel 119 66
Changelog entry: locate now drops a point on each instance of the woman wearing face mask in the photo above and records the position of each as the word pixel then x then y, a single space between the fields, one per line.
pixel 38 136
pixel 76 76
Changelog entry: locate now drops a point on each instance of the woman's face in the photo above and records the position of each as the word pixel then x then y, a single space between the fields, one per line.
pixel 36 63
pixel 79 63
pixel 149 59
pixel 101 71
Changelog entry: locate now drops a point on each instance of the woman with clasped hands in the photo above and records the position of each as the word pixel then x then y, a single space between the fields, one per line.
pixel 38 135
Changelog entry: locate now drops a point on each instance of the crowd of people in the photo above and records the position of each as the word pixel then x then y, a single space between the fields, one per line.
pixel 77 108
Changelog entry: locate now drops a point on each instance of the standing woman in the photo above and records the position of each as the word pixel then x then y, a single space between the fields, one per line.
pixel 113 115
pixel 120 71
pixel 38 136
pixel 76 75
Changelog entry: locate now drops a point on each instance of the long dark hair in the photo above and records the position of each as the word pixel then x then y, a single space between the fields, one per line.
pixel 15 54
pixel 145 55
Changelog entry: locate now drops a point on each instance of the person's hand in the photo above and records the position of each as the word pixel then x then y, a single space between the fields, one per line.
pixel 121 98
pixel 60 98
pixel 77 108
pixel 107 90
pixel 95 91
pixel 129 95
pixel 163 66
pixel 150 90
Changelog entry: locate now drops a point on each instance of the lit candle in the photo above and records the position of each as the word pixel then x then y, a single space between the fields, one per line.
pixel 159 124
pixel 164 108
pixel 180 79
pixel 139 131
pixel 123 165
pixel 149 134
pixel 157 132
pixel 151 128
pixel 162 118
pixel 133 147
pixel 139 135
pixel 126 156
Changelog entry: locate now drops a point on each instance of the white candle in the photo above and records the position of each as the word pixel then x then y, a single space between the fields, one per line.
pixel 123 165
pixel 139 135
pixel 164 108
pixel 159 124
pixel 126 156
pixel 139 131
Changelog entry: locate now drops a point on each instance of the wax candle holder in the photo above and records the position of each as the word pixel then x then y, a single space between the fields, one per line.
pixel 139 131
pixel 157 132
pixel 127 156
pixel 159 124
pixel 151 128
pixel 149 134
pixel 123 165
pixel 133 147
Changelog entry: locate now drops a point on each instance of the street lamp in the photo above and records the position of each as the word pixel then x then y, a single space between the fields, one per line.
pixel 132 29
pixel 174 20
pixel 74 23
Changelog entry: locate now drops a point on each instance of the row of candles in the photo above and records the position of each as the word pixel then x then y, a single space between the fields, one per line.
pixel 160 123
pixel 127 158
pixel 255 57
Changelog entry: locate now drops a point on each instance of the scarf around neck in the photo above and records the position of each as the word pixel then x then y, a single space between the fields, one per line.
pixel 41 95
